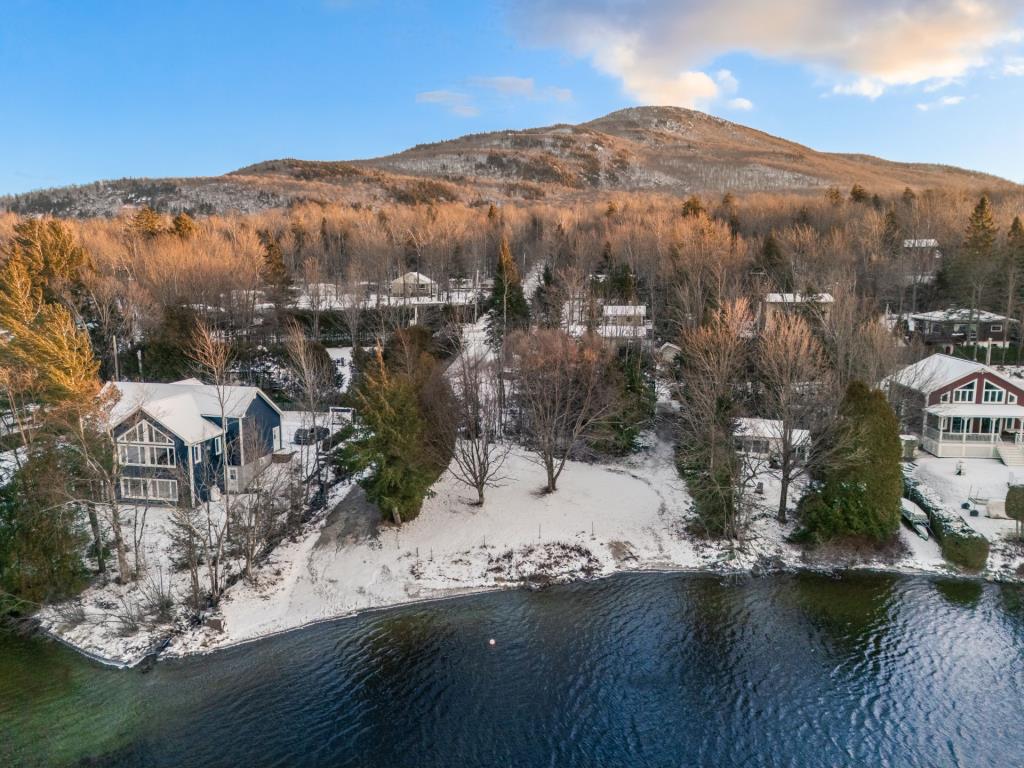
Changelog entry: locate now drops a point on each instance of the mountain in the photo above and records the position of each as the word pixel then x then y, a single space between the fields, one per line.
pixel 667 149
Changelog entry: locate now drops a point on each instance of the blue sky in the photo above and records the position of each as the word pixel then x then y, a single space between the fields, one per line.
pixel 94 90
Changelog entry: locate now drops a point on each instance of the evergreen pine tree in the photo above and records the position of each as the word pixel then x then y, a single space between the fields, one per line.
pixel 858 194
pixel 693 206
pixel 509 309
pixel 274 271
pixel 147 223
pixel 892 234
pixel 183 225
pixel 391 443
pixel 860 494
pixel 980 239
pixel 773 262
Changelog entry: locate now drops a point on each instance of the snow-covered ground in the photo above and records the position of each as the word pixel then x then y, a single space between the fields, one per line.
pixel 629 515
pixel 604 518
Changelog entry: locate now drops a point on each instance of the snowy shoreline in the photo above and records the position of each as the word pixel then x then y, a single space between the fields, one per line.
pixel 605 520
pixel 163 651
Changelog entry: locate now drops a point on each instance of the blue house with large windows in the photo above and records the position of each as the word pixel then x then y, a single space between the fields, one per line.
pixel 175 442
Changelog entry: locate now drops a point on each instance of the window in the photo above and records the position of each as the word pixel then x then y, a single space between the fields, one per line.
pixel 957 425
pixel 218 446
pixel 197 454
pixel 995 328
pixel 145 446
pixel 992 393
pixel 149 488
pixel 944 398
pixel 964 394
pixel 232 473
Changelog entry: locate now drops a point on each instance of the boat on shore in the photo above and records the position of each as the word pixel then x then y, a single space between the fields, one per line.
pixel 915 518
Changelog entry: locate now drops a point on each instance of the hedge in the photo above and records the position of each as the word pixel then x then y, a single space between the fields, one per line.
pixel 960 544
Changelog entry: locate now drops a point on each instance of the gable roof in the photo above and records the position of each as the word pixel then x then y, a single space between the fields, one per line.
pixel 936 371
pixel 412 278
pixel 959 315
pixel 624 310
pixel 799 298
pixel 184 407
pixel 770 429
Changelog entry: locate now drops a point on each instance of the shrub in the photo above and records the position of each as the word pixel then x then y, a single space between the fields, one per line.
pixel 960 544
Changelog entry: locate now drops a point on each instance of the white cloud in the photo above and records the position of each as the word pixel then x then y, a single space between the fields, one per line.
pixel 522 87
pixel 740 103
pixel 507 85
pixel 656 47
pixel 1013 66
pixel 945 101
pixel 862 86
pixel 456 102
pixel 726 81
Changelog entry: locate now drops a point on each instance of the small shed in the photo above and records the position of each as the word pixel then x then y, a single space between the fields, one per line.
pixel 413 284
pixel 763 437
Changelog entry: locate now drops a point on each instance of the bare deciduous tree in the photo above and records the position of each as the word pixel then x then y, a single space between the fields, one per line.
pixel 479 449
pixel 565 389
pixel 792 366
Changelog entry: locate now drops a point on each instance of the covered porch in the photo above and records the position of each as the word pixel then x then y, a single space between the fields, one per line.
pixel 970 430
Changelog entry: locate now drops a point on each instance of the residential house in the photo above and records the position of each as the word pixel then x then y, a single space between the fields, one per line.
pixel 624 322
pixel 762 438
pixel 172 443
pixel 960 408
pixel 815 306
pixel 413 284
pixel 945 329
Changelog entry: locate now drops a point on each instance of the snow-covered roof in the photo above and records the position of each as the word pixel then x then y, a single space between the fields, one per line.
pixel 978 410
pixel 184 406
pixel 625 310
pixel 928 242
pixel 936 371
pixel 770 429
pixel 799 298
pixel 412 278
pixel 958 315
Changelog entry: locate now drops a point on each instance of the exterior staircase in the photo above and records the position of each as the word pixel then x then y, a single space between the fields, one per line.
pixel 1012 454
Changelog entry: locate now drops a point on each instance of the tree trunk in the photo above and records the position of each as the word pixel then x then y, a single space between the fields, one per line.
pixel 123 571
pixel 783 492
pixel 94 524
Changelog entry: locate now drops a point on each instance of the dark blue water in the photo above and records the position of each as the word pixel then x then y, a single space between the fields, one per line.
pixel 638 670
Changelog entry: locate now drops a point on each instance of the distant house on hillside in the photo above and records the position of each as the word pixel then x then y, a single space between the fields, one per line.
pixel 944 329
pixel 814 306
pixel 413 284
pixel 624 322
pixel 960 408
pixel 172 447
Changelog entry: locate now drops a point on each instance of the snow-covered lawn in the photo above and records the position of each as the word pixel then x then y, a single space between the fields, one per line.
pixel 981 480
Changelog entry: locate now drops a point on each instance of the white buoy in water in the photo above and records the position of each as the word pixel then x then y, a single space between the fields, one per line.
pixel 492 641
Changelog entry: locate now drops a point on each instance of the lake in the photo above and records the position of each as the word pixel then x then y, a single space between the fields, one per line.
pixel 635 670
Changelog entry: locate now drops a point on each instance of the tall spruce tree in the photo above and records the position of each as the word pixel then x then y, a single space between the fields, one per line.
pixel 860 493
pixel 978 267
pixel 391 446
pixel 509 308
